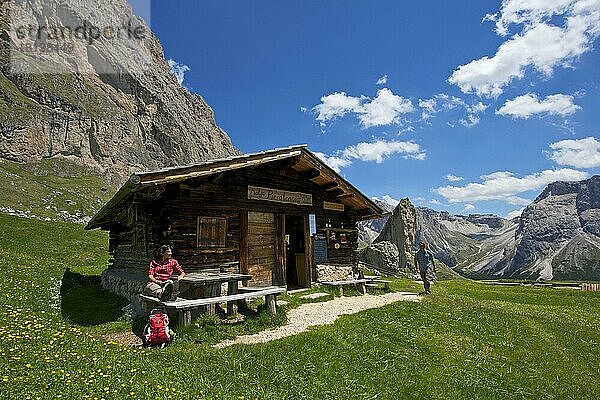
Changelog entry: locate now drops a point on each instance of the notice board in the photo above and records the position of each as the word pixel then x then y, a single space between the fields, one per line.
pixel 320 248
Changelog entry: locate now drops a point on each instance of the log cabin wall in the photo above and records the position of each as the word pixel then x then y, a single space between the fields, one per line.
pixel 169 214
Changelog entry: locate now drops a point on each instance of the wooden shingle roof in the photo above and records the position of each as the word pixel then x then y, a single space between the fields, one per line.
pixel 321 174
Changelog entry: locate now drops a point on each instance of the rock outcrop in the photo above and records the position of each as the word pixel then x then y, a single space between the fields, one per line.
pixel 399 232
pixel 110 104
pixel 382 255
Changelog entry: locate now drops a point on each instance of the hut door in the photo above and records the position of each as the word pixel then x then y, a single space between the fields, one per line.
pixel 295 252
pixel 261 247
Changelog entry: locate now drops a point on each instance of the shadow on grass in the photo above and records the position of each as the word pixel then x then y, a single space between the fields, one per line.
pixel 212 329
pixel 85 303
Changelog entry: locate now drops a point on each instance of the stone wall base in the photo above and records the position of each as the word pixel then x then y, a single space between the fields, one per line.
pixel 126 283
pixel 329 273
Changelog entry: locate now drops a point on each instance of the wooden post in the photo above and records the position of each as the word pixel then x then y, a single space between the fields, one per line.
pixel 279 275
pixel 308 252
pixel 244 243
pixel 341 291
pixel 185 317
pixel 271 302
pixel 232 288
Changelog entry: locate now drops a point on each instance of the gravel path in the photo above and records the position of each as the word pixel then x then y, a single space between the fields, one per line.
pixel 325 313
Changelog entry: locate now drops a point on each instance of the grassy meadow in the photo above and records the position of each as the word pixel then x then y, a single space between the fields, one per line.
pixel 466 341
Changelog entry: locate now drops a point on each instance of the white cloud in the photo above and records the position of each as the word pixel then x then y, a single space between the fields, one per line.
pixel 470 121
pixel 303 109
pixel 476 108
pixel 336 105
pixel 515 213
pixel 381 149
pixel 383 80
pixel 436 202
pixel 377 151
pixel 178 70
pixel 540 44
pixel 335 163
pixel 527 12
pixel 439 102
pixel 454 178
pixel 469 207
pixel 528 104
pixel 582 153
pixel 505 186
pixel 444 102
pixel 428 106
pixel 385 109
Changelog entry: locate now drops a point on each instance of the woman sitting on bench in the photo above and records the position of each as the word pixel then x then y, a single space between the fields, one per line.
pixel 161 281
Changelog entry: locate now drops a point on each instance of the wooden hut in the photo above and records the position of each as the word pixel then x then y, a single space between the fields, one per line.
pixel 275 215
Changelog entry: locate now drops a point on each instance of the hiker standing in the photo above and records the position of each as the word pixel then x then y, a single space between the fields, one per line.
pixel 425 263
pixel 161 281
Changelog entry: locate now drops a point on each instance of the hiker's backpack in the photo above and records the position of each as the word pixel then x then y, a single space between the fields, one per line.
pixel 157 332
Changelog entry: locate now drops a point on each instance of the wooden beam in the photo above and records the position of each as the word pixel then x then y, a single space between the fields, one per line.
pixel 364 212
pixel 345 196
pixel 330 185
pixel 310 174
pixel 217 178
pixel 336 192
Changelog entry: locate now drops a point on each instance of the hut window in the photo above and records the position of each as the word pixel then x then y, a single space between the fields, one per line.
pixel 212 232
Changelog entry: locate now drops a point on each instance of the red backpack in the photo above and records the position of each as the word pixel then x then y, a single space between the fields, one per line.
pixel 157 332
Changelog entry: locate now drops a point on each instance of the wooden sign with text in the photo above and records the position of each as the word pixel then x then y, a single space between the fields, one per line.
pixel 279 196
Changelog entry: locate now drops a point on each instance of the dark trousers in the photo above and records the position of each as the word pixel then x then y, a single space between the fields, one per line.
pixel 425 279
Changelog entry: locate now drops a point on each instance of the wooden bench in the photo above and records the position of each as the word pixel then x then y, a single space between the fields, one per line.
pixel 185 307
pixel 386 284
pixel 360 284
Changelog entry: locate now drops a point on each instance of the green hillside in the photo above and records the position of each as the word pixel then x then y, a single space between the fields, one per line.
pixel 52 188
pixel 466 341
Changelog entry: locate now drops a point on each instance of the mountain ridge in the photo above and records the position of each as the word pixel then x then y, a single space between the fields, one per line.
pixel 556 237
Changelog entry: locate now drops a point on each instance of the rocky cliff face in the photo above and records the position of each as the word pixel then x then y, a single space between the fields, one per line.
pixel 400 230
pixel 559 234
pixel 110 104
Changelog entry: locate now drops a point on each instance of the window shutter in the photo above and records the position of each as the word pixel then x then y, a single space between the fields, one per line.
pixel 212 232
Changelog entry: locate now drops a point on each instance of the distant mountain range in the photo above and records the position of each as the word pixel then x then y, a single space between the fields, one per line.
pixel 556 237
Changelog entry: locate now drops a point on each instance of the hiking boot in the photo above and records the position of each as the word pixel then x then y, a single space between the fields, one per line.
pixel 167 291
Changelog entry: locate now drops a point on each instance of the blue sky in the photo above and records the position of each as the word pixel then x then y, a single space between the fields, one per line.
pixel 470 107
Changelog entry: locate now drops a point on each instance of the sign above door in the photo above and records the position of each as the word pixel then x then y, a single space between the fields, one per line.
pixel 279 196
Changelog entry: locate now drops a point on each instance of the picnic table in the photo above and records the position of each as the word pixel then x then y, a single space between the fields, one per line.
pixel 199 285
pixel 368 281
pixel 202 290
